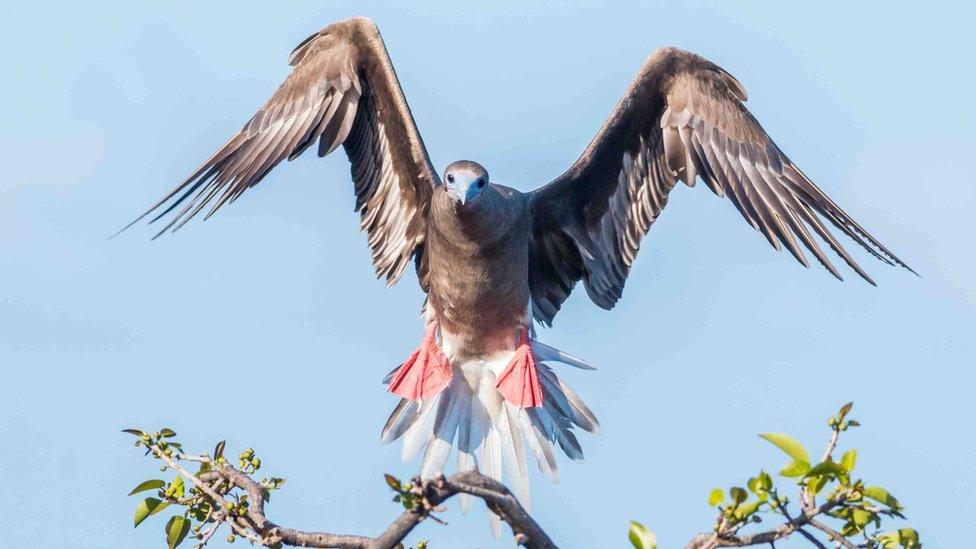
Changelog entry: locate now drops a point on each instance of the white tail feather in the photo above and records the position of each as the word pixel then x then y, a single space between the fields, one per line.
pixel 544 353
pixel 465 454
pixel 400 420
pixel 420 430
pixel 542 449
pixel 570 403
pixel 490 430
pixel 515 451
pixel 442 437
pixel 489 452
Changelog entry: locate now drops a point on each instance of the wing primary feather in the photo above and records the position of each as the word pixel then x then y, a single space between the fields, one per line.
pixel 342 91
pixel 682 118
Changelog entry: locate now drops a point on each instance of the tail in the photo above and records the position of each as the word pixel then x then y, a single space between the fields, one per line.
pixel 490 430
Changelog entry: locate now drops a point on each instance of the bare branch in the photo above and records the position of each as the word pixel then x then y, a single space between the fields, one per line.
pixel 831 444
pixel 498 498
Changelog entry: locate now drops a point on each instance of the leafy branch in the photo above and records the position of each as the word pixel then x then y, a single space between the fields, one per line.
pixel 832 505
pixel 831 502
pixel 219 495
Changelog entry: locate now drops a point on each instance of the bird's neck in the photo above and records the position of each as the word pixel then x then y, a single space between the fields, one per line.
pixel 475 226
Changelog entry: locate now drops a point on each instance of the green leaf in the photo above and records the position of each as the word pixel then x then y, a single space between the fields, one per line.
pixel 796 468
pixel 908 537
pixel 641 537
pixel 167 433
pixel 789 445
pixel 844 410
pixel 392 482
pixel 881 495
pixel 176 530
pixel 905 537
pixel 145 508
pixel 737 494
pixel 178 486
pixel 716 497
pixel 747 509
pixel 816 484
pixel 148 485
pixel 825 468
pixel 407 501
pixel 848 460
pixel 862 517
pixel 760 484
pixel 135 432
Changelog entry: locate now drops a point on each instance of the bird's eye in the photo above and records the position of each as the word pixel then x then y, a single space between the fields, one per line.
pixel 450 178
pixel 481 183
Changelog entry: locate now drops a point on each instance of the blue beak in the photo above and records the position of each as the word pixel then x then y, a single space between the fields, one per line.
pixel 463 191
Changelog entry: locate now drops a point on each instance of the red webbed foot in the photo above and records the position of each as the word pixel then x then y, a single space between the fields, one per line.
pixel 519 382
pixel 425 373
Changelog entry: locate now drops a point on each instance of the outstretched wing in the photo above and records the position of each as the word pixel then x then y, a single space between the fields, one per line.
pixel 681 118
pixel 343 90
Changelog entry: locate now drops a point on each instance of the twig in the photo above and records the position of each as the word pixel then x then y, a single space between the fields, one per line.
pixel 804 533
pixel 209 533
pixel 831 444
pixel 723 537
pixel 833 534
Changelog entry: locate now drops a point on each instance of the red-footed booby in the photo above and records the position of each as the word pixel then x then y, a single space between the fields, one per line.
pixel 492 259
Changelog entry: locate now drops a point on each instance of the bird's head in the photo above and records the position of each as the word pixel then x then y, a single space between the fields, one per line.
pixel 465 181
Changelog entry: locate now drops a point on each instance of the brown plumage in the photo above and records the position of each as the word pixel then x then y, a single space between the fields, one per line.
pixel 343 91
pixel 682 117
pixel 466 246
pixel 489 257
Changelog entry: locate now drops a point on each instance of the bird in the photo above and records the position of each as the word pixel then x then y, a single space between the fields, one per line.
pixel 494 262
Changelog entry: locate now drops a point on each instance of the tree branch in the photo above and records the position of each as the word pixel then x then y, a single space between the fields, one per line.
pixel 833 534
pixel 726 533
pixel 221 494
pixel 720 539
pixel 215 484
pixel 498 498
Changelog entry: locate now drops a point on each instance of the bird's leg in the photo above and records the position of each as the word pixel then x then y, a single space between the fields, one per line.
pixel 519 382
pixel 425 373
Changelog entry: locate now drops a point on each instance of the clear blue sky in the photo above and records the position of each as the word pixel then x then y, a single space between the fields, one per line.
pixel 717 338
